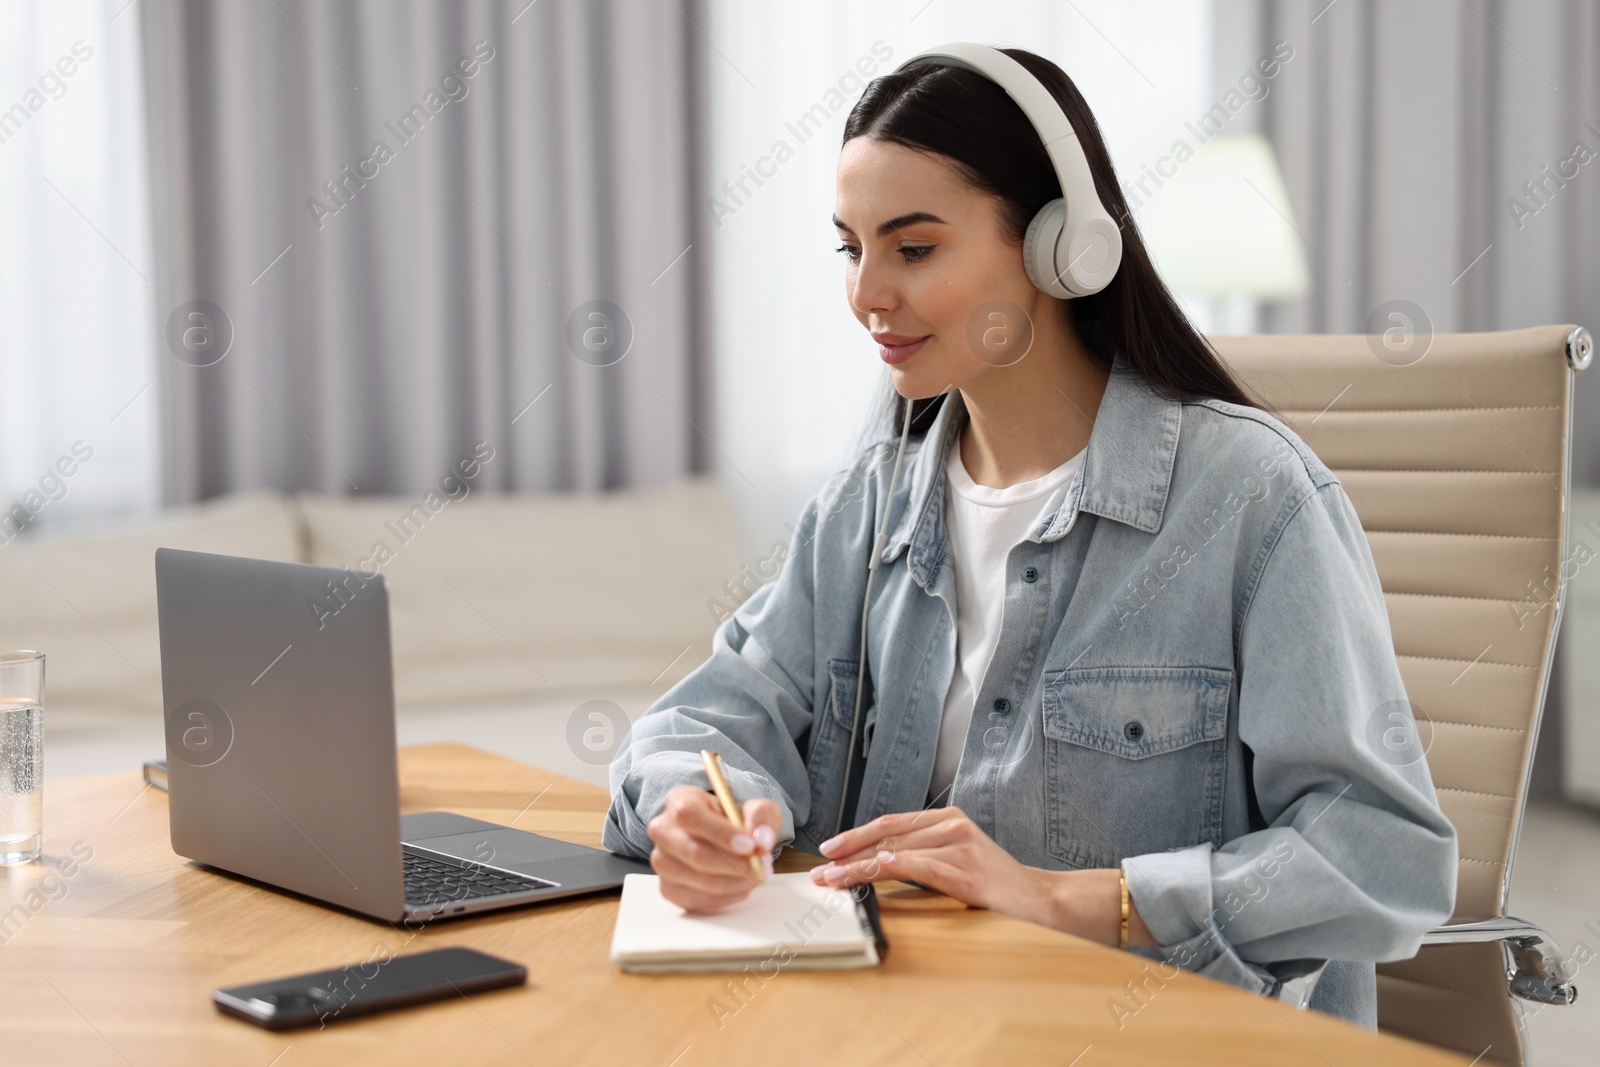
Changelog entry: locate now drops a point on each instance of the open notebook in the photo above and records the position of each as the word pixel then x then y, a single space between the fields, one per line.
pixel 788 921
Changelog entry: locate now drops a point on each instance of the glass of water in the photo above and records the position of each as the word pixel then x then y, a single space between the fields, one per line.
pixel 21 756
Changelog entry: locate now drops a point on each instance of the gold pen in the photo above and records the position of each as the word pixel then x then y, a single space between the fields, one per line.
pixel 724 792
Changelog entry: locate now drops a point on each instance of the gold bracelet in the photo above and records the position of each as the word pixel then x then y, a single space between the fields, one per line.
pixel 1124 875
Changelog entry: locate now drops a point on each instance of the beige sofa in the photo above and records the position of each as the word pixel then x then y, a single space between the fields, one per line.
pixel 507 612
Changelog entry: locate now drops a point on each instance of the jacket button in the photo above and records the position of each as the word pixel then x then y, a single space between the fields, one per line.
pixel 1002 704
pixel 1134 730
pixel 1031 574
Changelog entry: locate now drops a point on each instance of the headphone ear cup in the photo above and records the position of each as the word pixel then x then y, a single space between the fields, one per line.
pixel 1095 252
pixel 1039 248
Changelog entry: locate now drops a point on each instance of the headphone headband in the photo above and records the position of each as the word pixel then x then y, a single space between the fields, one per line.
pixel 1073 247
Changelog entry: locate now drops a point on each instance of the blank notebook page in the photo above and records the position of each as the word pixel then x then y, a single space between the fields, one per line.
pixel 787 910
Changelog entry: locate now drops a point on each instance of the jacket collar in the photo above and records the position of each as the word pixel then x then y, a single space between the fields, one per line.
pixel 1125 476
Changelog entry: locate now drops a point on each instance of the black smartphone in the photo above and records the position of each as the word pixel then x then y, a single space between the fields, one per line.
pixel 322 997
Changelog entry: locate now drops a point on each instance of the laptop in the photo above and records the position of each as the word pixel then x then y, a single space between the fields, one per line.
pixel 278 693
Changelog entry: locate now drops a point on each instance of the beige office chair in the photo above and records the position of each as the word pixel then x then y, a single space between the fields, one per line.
pixel 1454 451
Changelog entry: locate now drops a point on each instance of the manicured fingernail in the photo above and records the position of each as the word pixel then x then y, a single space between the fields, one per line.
pixel 742 843
pixel 885 856
pixel 828 845
pixel 766 862
pixel 836 874
pixel 766 835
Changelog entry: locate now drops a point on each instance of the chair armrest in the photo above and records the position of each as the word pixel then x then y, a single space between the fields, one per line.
pixel 1296 980
pixel 1537 970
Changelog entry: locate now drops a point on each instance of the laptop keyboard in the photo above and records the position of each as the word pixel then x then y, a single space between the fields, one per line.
pixel 432 883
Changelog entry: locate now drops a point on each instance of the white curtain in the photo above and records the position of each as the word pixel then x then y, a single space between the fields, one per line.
pixel 78 413
pixel 795 375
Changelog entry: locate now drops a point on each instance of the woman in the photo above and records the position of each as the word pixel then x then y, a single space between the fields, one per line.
pixel 1126 635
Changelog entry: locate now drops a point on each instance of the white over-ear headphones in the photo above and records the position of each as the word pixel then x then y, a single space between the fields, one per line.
pixel 1073 247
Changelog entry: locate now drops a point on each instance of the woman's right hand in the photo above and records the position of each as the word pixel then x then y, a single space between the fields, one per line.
pixel 701 856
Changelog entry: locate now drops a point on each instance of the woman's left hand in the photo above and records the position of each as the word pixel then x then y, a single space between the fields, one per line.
pixel 942 849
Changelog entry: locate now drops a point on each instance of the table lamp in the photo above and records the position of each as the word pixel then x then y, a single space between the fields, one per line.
pixel 1222 235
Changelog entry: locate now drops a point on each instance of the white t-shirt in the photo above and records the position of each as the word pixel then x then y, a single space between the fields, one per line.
pixel 984 524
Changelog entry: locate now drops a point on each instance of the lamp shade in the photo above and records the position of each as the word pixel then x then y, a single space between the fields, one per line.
pixel 1221 225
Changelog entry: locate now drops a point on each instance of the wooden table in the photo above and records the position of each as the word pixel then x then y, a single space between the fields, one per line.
pixel 112 957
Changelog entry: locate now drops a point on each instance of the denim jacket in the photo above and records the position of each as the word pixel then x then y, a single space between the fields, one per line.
pixel 1194 679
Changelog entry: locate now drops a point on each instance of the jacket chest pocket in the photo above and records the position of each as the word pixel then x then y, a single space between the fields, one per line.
pixel 1134 760
pixel 830 743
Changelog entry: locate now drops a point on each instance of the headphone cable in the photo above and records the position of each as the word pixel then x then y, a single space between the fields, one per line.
pixel 879 537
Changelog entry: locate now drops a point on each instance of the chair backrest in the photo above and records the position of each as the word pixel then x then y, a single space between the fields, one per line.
pixel 1454 451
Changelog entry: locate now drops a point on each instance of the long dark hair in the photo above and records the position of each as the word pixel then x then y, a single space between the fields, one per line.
pixel 964 116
